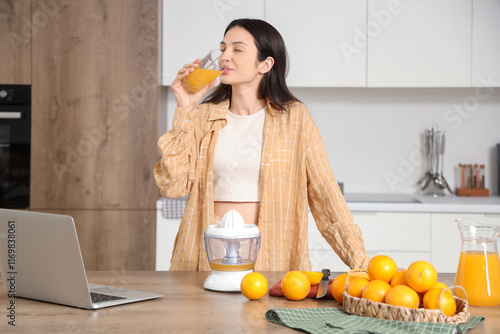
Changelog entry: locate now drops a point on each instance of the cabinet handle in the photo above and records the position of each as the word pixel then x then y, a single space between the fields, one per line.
pixel 10 115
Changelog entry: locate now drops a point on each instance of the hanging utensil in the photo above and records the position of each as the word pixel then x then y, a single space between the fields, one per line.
pixel 431 157
pixel 437 174
pixel 428 177
pixel 433 182
pixel 441 156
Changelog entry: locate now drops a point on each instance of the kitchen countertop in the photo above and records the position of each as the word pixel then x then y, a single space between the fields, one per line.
pixel 185 308
pixel 364 202
pixel 422 203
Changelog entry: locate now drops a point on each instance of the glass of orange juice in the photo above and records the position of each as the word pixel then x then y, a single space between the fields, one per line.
pixel 207 70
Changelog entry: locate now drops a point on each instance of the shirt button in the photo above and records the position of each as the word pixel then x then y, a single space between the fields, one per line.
pixel 188 121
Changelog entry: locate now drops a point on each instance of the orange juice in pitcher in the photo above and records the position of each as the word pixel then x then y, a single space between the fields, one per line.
pixel 479 265
pixel 479 274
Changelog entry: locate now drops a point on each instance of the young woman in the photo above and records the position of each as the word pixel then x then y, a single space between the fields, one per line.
pixel 253 147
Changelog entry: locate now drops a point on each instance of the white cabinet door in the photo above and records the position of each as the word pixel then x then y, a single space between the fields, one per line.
pixel 424 43
pixel 486 43
pixel 166 231
pixel 324 39
pixel 405 237
pixel 446 240
pixel 192 28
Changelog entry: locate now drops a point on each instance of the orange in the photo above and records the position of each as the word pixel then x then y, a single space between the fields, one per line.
pixel 399 278
pixel 295 285
pixel 403 295
pixel 421 276
pixel 356 286
pixel 358 273
pixel 382 267
pixel 254 286
pixel 448 304
pixel 313 276
pixel 338 287
pixel 376 290
pixel 440 285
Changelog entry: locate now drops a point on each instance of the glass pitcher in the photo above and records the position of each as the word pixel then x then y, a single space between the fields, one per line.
pixel 479 265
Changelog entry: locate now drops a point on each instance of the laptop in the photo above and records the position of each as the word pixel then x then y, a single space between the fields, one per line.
pixel 40 259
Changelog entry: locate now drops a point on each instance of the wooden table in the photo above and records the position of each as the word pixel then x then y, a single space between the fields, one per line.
pixel 185 308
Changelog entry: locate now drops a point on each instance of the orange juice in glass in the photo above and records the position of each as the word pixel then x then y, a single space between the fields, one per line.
pixel 207 70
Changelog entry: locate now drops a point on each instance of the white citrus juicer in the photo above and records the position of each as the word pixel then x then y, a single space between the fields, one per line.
pixel 232 247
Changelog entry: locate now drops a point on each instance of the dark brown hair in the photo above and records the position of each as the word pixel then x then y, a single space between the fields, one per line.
pixel 269 44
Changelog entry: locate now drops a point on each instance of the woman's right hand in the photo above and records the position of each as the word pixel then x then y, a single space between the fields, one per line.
pixel 183 96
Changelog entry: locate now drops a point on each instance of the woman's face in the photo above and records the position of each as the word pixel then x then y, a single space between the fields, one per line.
pixel 239 61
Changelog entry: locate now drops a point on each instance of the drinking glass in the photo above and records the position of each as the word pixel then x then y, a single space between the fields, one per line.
pixel 207 70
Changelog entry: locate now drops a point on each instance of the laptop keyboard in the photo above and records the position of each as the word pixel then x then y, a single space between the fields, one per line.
pixel 101 297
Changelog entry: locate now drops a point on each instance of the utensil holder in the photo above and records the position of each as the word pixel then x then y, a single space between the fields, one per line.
pixel 433 183
pixel 473 192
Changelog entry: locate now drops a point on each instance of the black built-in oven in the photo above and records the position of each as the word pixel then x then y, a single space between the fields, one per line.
pixel 15 145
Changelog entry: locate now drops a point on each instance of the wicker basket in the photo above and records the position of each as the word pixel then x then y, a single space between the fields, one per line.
pixel 368 308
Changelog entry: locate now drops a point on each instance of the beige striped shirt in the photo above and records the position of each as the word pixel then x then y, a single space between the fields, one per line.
pixel 295 174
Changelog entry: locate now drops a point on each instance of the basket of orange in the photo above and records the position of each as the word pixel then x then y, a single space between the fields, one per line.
pixel 414 294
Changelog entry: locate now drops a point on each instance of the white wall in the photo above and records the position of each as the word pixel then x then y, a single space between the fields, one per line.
pixel 374 134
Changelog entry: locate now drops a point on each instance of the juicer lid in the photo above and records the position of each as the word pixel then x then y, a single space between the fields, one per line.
pixel 232 225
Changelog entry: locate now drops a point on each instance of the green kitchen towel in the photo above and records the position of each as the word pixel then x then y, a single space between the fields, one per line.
pixel 334 320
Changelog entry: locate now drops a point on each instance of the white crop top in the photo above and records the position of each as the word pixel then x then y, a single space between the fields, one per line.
pixel 237 158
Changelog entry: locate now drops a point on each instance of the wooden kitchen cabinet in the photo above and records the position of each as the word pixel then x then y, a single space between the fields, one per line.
pixel 485 43
pixel 192 28
pixel 405 237
pixel 94 128
pixel 324 40
pixel 446 240
pixel 425 44
pixel 95 94
pixel 15 42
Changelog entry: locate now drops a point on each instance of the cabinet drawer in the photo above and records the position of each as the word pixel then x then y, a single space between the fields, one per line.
pixel 395 231
pixel 385 232
pixel 405 237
